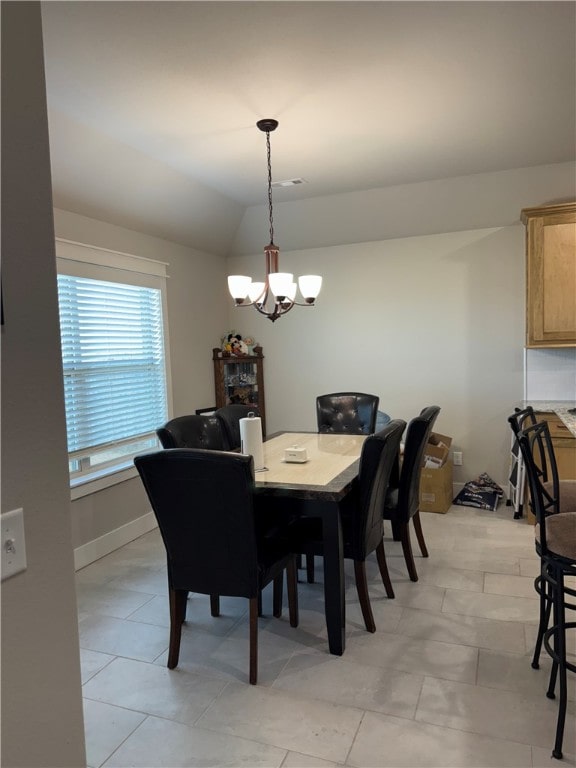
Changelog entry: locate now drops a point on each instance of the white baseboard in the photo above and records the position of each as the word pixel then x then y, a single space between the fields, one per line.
pixel 94 550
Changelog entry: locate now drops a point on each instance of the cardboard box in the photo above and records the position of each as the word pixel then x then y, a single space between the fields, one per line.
pixel 437 450
pixel 436 491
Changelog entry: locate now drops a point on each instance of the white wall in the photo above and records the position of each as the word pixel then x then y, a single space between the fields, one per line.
pixel 551 374
pixel 197 311
pixel 42 722
pixel 423 208
pixel 423 301
pixel 435 319
pixel 190 211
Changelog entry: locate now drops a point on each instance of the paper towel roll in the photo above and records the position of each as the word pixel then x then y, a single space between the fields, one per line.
pixel 251 440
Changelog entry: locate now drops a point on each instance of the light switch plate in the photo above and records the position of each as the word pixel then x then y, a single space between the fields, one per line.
pixel 13 551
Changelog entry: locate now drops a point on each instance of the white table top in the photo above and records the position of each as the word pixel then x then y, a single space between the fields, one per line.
pixel 328 457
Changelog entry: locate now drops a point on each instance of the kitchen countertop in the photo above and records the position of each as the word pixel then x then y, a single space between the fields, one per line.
pixel 559 407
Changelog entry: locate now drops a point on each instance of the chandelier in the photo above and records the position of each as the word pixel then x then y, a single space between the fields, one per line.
pixel 277 294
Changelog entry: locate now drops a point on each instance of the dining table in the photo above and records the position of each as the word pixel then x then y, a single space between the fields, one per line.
pixel 317 487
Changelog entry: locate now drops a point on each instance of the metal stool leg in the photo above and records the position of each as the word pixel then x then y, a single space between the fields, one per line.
pixel 541 585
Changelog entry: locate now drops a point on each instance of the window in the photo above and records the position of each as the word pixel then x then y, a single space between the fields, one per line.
pixel 113 355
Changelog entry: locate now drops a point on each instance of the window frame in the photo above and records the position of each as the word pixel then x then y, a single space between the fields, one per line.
pixel 96 263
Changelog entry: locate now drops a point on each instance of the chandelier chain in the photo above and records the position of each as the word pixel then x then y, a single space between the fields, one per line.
pixel 270 215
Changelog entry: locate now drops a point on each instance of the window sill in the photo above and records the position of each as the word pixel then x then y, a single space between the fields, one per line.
pixel 104 478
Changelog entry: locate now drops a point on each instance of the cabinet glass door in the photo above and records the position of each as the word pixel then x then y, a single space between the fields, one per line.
pixel 241 383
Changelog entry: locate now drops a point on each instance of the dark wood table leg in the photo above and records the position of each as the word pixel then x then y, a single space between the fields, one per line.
pixel 333 578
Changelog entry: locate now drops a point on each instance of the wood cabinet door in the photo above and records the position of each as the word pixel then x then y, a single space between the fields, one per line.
pixel 565 452
pixel 551 276
pixel 564 445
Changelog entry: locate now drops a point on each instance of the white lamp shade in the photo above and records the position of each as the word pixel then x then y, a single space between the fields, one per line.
pixel 292 292
pixel 239 285
pixel 255 291
pixel 310 286
pixel 280 283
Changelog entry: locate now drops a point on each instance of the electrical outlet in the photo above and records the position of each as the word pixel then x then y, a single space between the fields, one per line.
pixel 13 552
pixel 457 458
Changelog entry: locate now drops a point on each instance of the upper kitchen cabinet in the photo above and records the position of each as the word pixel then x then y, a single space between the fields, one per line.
pixel 550 275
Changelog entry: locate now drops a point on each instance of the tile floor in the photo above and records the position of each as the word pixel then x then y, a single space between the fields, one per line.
pixel 445 680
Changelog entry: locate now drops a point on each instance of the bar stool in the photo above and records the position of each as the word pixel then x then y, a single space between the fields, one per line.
pixel 556 546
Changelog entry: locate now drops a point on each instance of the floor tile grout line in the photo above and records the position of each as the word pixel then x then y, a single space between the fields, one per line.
pixel 124 741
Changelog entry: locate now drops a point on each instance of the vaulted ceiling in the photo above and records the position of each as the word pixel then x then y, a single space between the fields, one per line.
pixel 153 105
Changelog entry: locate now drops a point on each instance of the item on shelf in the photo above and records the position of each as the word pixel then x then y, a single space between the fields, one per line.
pixel 234 345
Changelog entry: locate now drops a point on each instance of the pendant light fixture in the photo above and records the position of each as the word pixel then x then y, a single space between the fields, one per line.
pixel 277 294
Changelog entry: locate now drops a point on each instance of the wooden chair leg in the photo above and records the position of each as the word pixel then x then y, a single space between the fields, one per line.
pixel 177 612
pixel 407 549
pixel 363 597
pixel 277 593
pixel 292 583
pixel 310 569
pixel 215 605
pixel 253 640
pixel 420 534
pixel 381 556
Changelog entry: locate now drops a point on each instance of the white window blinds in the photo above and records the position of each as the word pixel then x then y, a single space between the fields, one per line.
pixel 113 358
pixel 112 329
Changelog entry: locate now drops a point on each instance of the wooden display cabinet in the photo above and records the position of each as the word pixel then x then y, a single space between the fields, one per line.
pixel 550 275
pixel 240 379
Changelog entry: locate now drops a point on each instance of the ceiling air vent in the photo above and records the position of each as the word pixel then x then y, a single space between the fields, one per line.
pixel 288 182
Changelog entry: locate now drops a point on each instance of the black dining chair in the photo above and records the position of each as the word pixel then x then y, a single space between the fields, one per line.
pixel 351 413
pixel 204 504
pixel 555 538
pixel 229 417
pixel 402 502
pixel 194 431
pixel 362 528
